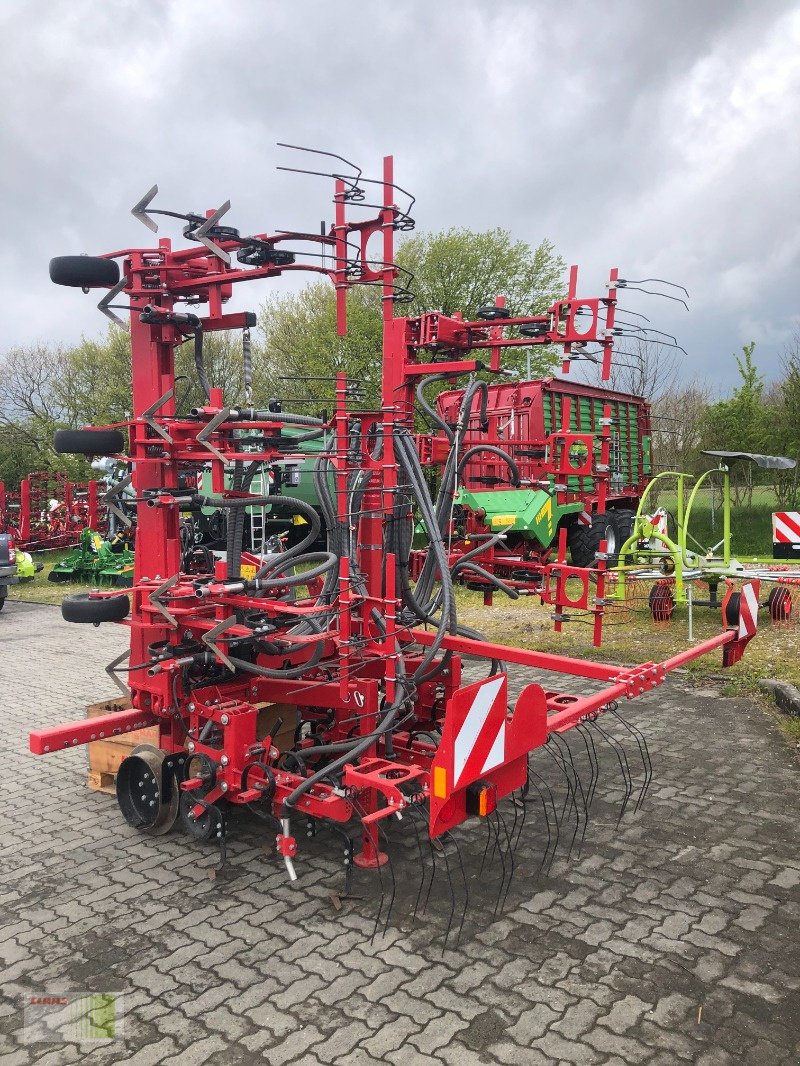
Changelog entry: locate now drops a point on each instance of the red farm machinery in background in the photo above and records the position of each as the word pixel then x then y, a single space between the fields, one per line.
pixel 48 512
pixel 545 464
pixel 324 686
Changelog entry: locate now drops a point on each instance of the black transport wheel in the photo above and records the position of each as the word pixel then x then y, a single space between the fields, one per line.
pixel 84 271
pixel 732 609
pixel 82 607
pixel 139 792
pixel 89 442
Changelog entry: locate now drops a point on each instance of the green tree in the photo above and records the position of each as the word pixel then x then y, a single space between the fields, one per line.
pixel 301 351
pixel 741 423
pixel 786 425
pixel 457 270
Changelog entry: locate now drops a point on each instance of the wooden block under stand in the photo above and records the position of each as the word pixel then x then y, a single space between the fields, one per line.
pixel 105 756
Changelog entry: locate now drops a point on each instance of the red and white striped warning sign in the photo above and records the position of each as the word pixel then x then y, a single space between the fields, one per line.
pixel 748 610
pixel 480 743
pixel 786 527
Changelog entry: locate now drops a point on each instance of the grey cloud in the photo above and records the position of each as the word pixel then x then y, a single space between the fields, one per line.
pixel 662 138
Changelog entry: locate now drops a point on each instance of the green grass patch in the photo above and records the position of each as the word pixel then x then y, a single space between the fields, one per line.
pixel 41 590
pixel 751 526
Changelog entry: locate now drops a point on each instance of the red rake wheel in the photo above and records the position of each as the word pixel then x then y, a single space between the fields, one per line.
pixel 662 603
pixel 779 604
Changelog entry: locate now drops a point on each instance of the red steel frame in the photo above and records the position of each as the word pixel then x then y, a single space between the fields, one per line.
pixel 358 671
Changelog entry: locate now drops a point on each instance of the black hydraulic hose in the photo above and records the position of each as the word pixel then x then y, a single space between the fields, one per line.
pixel 507 459
pixel 325 561
pixel 288 671
pixel 299 506
pixel 301 438
pixel 492 578
pixel 198 362
pixel 233 545
pixel 433 416
pixel 409 458
pixel 250 414
pixel 424 587
pixel 312 517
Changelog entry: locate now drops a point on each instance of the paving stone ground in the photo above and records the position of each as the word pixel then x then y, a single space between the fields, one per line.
pixel 670 938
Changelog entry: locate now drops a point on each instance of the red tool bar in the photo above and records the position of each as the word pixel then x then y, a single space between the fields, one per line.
pixel 462 366
pixel 727 637
pixel 561 721
pixel 86 730
pixel 559 664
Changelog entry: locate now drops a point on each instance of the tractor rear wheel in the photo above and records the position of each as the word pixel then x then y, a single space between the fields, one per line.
pixel 624 521
pixel 584 541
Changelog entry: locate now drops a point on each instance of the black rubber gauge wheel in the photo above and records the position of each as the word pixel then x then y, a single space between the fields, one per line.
pixel 89 442
pixel 84 271
pixel 83 608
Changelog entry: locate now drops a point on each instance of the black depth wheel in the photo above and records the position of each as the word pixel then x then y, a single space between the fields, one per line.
pixel 208 825
pixel 139 792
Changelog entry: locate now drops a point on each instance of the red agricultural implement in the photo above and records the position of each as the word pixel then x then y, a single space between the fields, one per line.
pixel 48 511
pixel 320 687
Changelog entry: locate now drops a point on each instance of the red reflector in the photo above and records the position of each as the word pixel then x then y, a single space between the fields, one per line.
pixel 481 798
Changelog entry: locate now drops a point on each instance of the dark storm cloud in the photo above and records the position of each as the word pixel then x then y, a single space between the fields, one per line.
pixel 660 137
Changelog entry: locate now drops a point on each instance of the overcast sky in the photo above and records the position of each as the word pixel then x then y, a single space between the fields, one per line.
pixel 660 137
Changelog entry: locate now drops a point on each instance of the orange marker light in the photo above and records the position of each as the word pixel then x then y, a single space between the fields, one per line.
pixel 481 798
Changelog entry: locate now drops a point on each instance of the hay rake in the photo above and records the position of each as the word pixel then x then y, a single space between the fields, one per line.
pixel 324 688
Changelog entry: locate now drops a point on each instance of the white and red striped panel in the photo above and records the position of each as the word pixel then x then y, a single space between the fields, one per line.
pixel 481 741
pixel 748 610
pixel 786 527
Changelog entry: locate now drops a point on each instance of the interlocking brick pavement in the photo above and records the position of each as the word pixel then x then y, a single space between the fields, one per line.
pixel 670 938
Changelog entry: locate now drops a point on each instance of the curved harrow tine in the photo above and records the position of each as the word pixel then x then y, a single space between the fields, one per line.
pixel 571 801
pixel 624 766
pixel 556 820
pixel 512 861
pixel 644 751
pixel 466 887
